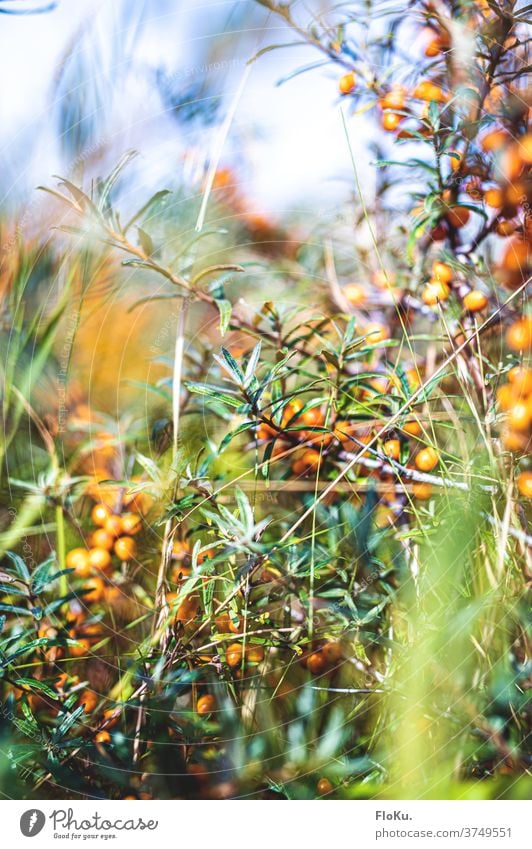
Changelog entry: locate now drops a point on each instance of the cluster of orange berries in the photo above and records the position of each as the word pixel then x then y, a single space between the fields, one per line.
pixel 113 534
pixel 395 101
pixel 90 701
pixel 509 157
pixel 323 658
pixel 185 610
pixel 237 654
pixel 515 400
pixel 514 157
pixel 438 289
pixel 308 460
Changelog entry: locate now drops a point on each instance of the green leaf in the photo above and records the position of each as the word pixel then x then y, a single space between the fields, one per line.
pixel 224 308
pixel 67 723
pixel 213 392
pixel 12 608
pixel 252 364
pixel 145 241
pixel 34 684
pixel 230 365
pixel 33 644
pixel 151 202
pixel 107 185
pixel 19 564
pixel 236 432
pixel 11 589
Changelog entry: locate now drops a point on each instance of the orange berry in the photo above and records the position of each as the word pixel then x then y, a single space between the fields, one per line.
pixel 81 649
pixel 433 48
pixel 100 558
pixel 78 559
pixel 515 194
pixel 89 699
pixel 414 378
pixel 381 385
pixel 394 99
pixel 311 460
pixel 375 333
pixel 458 216
pixel 422 491
pixel 290 416
pixel 505 228
pixel 511 162
pixel 265 431
pixel 392 448
pixel 355 294
pixel 519 416
pixel 519 334
pixel 434 292
pixel 390 121
pixel 111 716
pixel 332 652
pixel 455 162
pixel 475 301
pixel 514 441
pixel 494 198
pixel 347 83
pixel 427 459
pixel 140 502
pixel 494 140
pixel 99 514
pixel 100 538
pixel 131 523
pixel 506 396
pixel 324 786
pixel 516 256
pixel 180 549
pixel 235 626
pixel 521 378
pixel 428 91
pixel 342 430
pixel 97 590
pixel 125 548
pixel 524 484
pixel 442 272
pixel 525 148
pixel 233 655
pixel 383 279
pixel 188 610
pixel 255 653
pixel 113 525
pixel 316 663
pixel 412 428
pixel 205 705
pixel 312 417
pixel 102 737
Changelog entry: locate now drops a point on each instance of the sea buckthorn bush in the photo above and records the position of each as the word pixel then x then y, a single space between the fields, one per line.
pixel 290 557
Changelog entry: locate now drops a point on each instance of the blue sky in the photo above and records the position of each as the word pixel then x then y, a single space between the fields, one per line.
pixel 290 137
